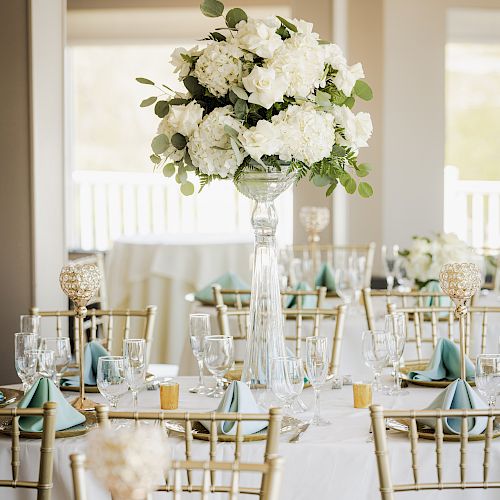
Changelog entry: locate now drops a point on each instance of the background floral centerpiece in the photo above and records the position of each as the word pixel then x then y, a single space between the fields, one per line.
pixel 262 94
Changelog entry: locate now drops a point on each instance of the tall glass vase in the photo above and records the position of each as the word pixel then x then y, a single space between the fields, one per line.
pixel 265 338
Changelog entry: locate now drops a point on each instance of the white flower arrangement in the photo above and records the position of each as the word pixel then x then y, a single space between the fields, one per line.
pixel 263 94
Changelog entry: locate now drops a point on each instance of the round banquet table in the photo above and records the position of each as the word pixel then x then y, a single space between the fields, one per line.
pixel 330 462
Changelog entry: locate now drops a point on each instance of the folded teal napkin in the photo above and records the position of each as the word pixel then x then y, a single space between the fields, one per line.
pixel 238 398
pixel 229 281
pixel 308 301
pixel 93 351
pixel 443 301
pixel 444 364
pixel 458 395
pixel 41 391
pixel 326 277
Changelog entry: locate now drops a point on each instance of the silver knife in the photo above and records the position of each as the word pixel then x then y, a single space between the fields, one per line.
pixel 295 438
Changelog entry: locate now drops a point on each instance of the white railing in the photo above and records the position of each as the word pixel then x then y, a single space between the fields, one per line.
pixel 472 209
pixel 108 205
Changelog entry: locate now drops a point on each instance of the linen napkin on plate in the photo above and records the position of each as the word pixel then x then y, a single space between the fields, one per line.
pixel 458 395
pixel 238 398
pixel 93 351
pixel 229 281
pixel 326 277
pixel 308 301
pixel 41 391
pixel 444 364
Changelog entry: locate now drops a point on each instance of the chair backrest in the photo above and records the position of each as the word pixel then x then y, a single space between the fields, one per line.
pixel 271 469
pixel 44 483
pixel 299 316
pixel 388 487
pixel 190 419
pixel 491 263
pixel 125 316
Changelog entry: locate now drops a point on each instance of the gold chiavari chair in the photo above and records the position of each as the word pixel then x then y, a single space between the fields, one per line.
pixel 316 316
pixel 189 419
pixel 125 317
pixel 44 483
pixel 388 487
pixel 272 471
pixel 491 258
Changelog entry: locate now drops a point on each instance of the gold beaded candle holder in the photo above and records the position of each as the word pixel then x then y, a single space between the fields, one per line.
pixel 460 281
pixel 315 220
pixel 80 282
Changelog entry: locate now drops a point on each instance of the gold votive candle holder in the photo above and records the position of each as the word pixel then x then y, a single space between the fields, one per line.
pixel 362 394
pixel 169 395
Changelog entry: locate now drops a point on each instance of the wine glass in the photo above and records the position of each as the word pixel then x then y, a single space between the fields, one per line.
pixel 375 353
pixel 111 379
pixel 134 352
pixel 25 342
pixel 404 281
pixel 46 363
pixel 29 323
pixel 390 258
pixel 317 370
pixel 199 328
pixel 488 377
pixel 62 350
pixel 344 285
pixel 218 357
pixel 287 380
pixel 395 326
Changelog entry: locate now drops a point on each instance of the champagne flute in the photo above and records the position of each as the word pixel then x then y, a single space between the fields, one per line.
pixel 488 377
pixel 199 328
pixel 390 258
pixel 111 379
pixel 218 357
pixel 62 350
pixel 287 380
pixel 25 342
pixel 29 323
pixel 375 353
pixel 317 370
pixel 395 326
pixel 134 352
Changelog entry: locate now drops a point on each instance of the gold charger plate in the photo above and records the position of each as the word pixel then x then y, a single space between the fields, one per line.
pixel 77 430
pixel 11 396
pixel 424 432
pixel 236 375
pixel 92 389
pixel 422 365
pixel 199 432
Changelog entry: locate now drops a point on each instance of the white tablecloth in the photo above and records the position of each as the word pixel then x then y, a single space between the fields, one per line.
pixel 161 271
pixel 329 462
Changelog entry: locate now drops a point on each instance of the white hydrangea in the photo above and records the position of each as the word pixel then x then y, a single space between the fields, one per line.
pixel 263 139
pixel 301 60
pixel 357 128
pixel 219 67
pixel 184 119
pixel 182 66
pixel 210 147
pixel 347 76
pixel 307 134
pixel 259 36
pixel 333 55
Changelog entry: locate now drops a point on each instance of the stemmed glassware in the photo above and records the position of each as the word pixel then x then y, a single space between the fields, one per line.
pixel 134 352
pixel 375 347
pixel 344 285
pixel 488 377
pixel 111 378
pixel 25 364
pixel 395 326
pixel 317 370
pixel 29 323
pixel 46 363
pixel 62 351
pixel 218 357
pixel 287 380
pixel 199 328
pixel 390 259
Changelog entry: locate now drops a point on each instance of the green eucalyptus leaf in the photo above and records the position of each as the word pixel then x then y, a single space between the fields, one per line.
pixel 365 190
pixel 212 8
pixel 321 180
pixel 159 144
pixel 363 90
pixel 218 37
pixel 344 178
pixel 193 86
pixel 350 186
pixel 169 170
pixel 187 188
pixel 332 187
pixel 162 108
pixel 148 102
pixel 230 131
pixel 145 81
pixel 288 24
pixel 188 162
pixel 240 109
pixel 349 102
pixel 323 98
pixel 178 141
pixel 363 169
pixel 155 159
pixel 240 92
pixel 234 16
pixel 181 176
pixel 176 101
pixel 233 97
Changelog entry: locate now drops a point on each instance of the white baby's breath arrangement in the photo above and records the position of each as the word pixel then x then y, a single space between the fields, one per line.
pixel 263 94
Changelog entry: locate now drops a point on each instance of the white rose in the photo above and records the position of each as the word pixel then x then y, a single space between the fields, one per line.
pixel 263 139
pixel 259 36
pixel 357 129
pixel 265 86
pixel 347 76
pixel 185 118
pixel 182 66
pixel 364 129
pixel 334 56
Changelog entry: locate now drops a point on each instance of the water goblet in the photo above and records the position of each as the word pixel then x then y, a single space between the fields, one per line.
pixel 488 377
pixel 287 380
pixel 390 258
pixel 111 379
pixel 218 357
pixel 25 342
pixel 199 328
pixel 375 353
pixel 395 326
pixel 29 323
pixel 134 352
pixel 46 363
pixel 62 349
pixel 344 285
pixel 317 370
